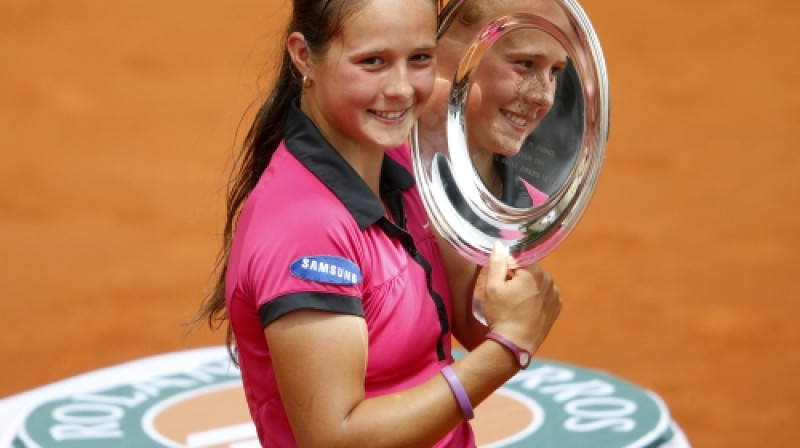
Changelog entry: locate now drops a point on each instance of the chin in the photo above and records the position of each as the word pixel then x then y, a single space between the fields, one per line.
pixel 506 146
pixel 509 151
pixel 392 142
pixel 393 139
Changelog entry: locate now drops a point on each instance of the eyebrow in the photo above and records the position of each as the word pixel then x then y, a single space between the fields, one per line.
pixel 532 54
pixel 381 50
pixel 430 47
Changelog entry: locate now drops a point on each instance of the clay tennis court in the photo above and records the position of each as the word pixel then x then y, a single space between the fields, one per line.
pixel 118 121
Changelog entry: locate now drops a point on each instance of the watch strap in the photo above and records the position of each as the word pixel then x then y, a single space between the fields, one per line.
pixel 522 356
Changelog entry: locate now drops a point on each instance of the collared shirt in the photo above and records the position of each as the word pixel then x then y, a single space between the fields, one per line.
pixel 312 235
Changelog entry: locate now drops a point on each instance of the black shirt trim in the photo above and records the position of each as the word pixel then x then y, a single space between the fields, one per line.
pixel 320 301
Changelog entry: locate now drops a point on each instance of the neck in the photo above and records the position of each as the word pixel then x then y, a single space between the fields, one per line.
pixel 368 165
pixel 367 162
pixel 484 165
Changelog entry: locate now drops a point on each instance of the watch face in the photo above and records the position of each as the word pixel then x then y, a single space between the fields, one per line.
pixel 524 359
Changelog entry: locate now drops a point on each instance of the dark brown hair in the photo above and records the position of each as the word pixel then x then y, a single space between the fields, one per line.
pixel 318 21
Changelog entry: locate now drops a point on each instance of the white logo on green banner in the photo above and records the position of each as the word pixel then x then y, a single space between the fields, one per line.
pixel 201 404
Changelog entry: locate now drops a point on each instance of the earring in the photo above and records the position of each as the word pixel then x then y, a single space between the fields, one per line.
pixel 306 82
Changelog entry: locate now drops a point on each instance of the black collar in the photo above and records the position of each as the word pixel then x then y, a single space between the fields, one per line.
pixel 307 144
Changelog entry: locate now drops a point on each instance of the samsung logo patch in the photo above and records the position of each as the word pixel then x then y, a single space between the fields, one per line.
pixel 326 269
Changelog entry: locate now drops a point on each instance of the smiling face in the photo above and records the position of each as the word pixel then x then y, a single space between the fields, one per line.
pixel 513 89
pixel 376 76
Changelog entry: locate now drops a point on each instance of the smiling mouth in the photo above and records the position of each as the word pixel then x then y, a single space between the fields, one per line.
pixel 520 121
pixel 390 115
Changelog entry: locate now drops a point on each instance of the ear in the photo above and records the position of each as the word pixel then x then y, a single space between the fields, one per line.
pixel 300 53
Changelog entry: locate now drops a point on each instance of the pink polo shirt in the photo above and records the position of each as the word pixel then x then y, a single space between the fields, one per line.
pixel 311 235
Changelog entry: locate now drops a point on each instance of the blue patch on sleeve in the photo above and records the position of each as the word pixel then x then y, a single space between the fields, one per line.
pixel 326 269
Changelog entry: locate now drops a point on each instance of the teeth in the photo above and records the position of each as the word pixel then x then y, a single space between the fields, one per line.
pixel 390 115
pixel 516 119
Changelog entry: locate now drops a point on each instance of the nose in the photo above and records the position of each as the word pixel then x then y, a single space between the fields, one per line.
pixel 399 83
pixel 538 88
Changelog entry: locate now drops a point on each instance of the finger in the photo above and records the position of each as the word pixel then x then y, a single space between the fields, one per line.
pixel 498 265
pixel 546 284
pixel 513 264
pixel 512 267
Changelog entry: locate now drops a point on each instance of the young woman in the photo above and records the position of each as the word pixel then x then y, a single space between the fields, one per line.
pixel 330 276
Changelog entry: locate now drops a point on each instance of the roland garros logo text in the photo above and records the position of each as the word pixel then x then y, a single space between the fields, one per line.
pixel 204 407
pixel 132 412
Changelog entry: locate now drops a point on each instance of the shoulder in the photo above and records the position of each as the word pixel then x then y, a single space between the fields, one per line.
pixel 285 218
pixel 280 249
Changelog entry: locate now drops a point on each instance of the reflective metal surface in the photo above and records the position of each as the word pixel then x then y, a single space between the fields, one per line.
pixel 512 143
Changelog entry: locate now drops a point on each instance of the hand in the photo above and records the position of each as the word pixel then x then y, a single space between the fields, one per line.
pixel 520 303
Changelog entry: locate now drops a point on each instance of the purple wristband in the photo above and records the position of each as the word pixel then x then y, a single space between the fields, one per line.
pixel 459 392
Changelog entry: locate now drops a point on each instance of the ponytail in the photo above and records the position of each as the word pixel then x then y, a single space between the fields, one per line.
pixel 260 143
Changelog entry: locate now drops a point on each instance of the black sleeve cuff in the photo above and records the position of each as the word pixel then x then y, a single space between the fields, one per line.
pixel 320 301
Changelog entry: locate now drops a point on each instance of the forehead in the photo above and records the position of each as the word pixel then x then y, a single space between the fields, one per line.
pixel 531 42
pixel 387 20
pixel 481 12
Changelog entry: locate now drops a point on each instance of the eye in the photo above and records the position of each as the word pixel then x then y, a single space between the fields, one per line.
pixel 524 63
pixel 557 69
pixel 373 61
pixel 422 59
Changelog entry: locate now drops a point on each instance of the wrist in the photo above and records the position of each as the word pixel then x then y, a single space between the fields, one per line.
pixel 518 334
pixel 522 357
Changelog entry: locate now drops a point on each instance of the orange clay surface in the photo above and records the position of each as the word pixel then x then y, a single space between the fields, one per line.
pixel 118 121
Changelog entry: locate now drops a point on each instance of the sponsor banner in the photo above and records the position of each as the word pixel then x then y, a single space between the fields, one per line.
pixel 568 406
pixel 194 399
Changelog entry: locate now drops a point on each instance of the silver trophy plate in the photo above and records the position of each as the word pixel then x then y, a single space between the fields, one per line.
pixel 512 143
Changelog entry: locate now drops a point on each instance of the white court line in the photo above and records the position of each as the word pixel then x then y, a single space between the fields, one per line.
pixel 249 444
pixel 221 436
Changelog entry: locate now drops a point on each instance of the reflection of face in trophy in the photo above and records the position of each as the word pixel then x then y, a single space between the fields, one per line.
pixel 470 19
pixel 512 90
pixel 510 144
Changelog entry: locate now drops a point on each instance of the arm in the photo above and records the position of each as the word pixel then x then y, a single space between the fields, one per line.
pixel 320 361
